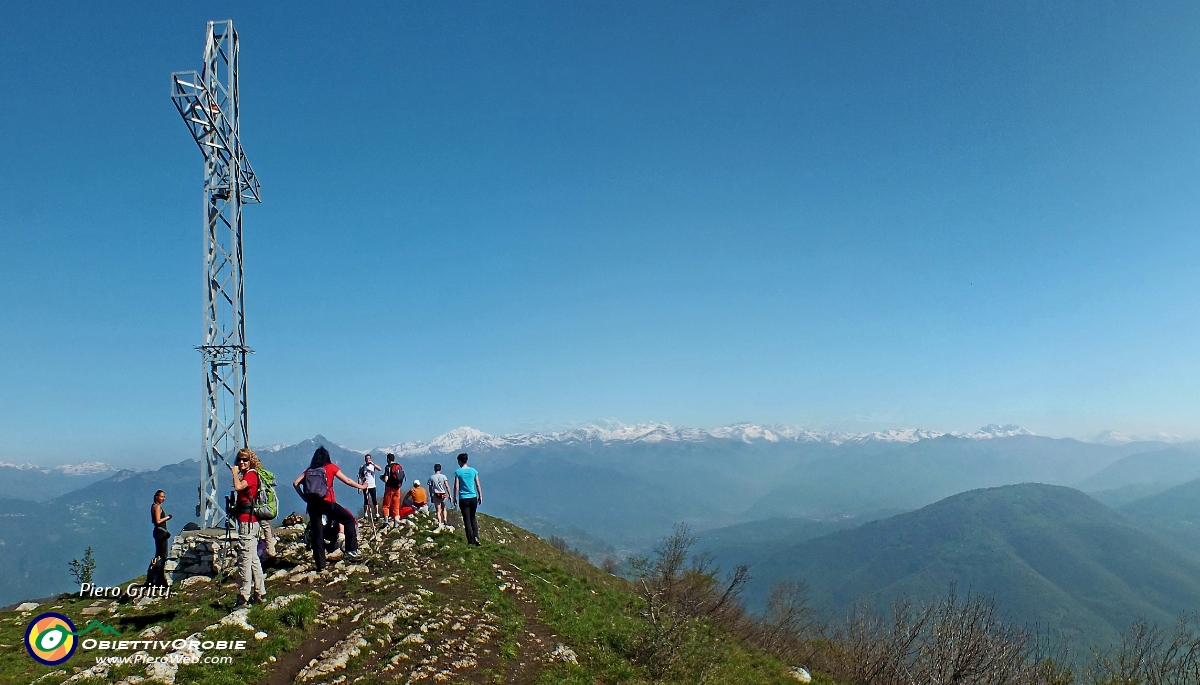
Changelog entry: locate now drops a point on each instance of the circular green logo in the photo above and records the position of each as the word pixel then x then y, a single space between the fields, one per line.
pixel 50 639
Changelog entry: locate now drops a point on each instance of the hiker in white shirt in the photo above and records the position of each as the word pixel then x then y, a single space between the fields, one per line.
pixel 366 476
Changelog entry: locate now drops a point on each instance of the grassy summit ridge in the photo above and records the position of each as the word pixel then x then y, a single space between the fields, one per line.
pixel 424 607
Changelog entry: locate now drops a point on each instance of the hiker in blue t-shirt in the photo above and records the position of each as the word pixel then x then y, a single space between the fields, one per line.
pixel 470 496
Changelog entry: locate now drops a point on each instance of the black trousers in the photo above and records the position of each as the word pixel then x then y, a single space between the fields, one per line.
pixel 370 498
pixel 336 513
pixel 162 542
pixel 467 506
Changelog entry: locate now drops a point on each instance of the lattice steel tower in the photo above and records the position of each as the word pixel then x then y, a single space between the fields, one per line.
pixel 208 102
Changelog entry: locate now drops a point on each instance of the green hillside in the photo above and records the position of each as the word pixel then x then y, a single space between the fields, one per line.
pixel 1174 514
pixel 423 607
pixel 751 543
pixel 112 516
pixel 1050 555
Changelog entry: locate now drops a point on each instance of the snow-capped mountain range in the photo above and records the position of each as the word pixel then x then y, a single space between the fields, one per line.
pixel 1111 437
pixel 466 439
pixel 83 469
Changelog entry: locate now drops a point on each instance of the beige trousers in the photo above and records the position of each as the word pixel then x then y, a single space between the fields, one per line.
pixel 248 563
pixel 269 536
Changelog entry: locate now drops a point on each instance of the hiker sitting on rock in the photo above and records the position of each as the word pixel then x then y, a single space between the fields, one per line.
pixel 416 497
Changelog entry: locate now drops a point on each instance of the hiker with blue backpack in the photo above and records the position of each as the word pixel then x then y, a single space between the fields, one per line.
pixel 248 486
pixel 315 487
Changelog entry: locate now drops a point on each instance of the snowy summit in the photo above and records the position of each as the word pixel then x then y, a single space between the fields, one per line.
pixel 467 439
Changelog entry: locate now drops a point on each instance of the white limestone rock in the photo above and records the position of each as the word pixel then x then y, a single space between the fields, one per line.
pixel 564 654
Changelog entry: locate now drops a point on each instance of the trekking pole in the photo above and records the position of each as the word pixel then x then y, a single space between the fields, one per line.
pixel 374 524
pixel 370 509
pixel 370 516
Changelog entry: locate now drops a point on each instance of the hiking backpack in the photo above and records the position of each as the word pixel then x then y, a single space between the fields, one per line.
pixel 266 504
pixel 393 476
pixel 316 483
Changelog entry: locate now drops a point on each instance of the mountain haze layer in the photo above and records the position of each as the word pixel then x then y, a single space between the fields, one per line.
pixel 611 491
pixel 38 483
pixel 1050 555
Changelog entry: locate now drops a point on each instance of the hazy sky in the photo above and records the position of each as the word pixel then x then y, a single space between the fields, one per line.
pixel 516 215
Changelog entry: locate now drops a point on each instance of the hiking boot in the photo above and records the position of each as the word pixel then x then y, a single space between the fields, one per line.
pixel 240 603
pixel 354 556
pixel 259 599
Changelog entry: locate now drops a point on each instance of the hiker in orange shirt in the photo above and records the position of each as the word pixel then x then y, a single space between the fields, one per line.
pixel 414 500
pixel 417 498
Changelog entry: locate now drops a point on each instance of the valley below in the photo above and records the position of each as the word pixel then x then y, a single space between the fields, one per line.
pixel 1047 527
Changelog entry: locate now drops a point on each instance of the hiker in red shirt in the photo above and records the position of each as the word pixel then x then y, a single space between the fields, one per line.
pixel 245 482
pixel 317 492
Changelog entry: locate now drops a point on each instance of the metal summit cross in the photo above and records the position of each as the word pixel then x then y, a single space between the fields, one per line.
pixel 208 102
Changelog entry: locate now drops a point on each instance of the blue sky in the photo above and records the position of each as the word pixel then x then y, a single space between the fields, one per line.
pixel 517 215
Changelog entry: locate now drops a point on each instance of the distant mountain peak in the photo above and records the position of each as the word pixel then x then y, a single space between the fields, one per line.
pixel 23 467
pixel 84 469
pixel 466 438
pixel 995 431
pixel 1112 437
pixel 317 439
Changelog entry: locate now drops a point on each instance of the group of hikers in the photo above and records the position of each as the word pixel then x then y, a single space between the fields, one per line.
pixel 330 525
pixel 398 504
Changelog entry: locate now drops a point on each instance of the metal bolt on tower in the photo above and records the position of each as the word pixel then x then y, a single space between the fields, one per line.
pixel 208 102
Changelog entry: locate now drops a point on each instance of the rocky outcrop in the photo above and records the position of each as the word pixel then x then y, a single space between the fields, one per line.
pixel 203 552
